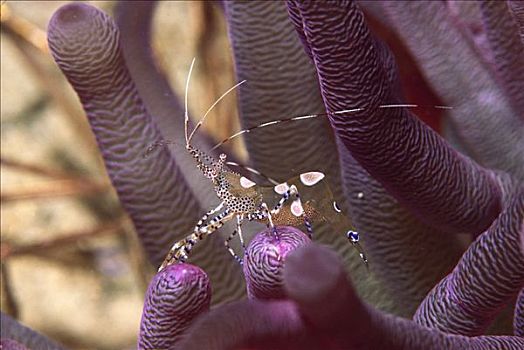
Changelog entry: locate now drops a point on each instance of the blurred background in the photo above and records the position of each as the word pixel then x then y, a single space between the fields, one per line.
pixel 71 266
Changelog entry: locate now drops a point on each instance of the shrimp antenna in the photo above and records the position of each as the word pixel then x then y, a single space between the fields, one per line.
pixel 186 114
pixel 311 116
pixel 210 108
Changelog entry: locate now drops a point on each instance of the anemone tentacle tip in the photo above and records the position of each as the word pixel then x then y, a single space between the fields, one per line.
pixel 265 257
pixel 72 16
pixel 311 271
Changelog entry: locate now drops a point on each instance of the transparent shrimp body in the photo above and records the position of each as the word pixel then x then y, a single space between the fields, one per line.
pixel 313 202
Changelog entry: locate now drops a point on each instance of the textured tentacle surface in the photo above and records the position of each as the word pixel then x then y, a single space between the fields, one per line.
pixel 518 320
pixel 20 337
pixel 324 313
pixel 396 241
pixel 408 255
pixel 175 297
pixel 265 258
pixel 517 8
pixel 482 114
pixel 409 159
pixel 281 82
pixel 250 324
pixel 134 23
pixel 85 44
pixel 153 86
pixel 320 271
pixel 508 50
pixel 10 344
pixel 487 277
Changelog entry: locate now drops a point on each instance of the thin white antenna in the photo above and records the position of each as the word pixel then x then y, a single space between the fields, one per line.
pixel 213 105
pixel 310 116
pixel 186 114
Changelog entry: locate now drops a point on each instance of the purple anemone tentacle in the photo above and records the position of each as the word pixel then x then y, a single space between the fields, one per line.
pixel 85 44
pixel 407 254
pixel 265 258
pixel 324 313
pixel 488 276
pixel 314 275
pixel 517 8
pixel 175 297
pixel 414 163
pixel 134 22
pixel 281 82
pixel 518 319
pixel 16 336
pixel 508 50
pixel 10 344
pixel 482 114
pixel 294 16
pixel 315 279
pixel 250 324
pixel 391 232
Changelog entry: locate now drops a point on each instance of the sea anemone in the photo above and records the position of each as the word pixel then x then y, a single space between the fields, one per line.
pixel 441 221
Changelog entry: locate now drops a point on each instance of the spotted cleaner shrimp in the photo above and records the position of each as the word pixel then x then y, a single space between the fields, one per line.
pixel 303 199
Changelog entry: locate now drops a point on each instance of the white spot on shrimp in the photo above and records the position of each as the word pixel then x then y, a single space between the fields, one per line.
pixel 360 195
pixel 311 178
pixel 281 188
pixel 296 208
pixel 246 183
